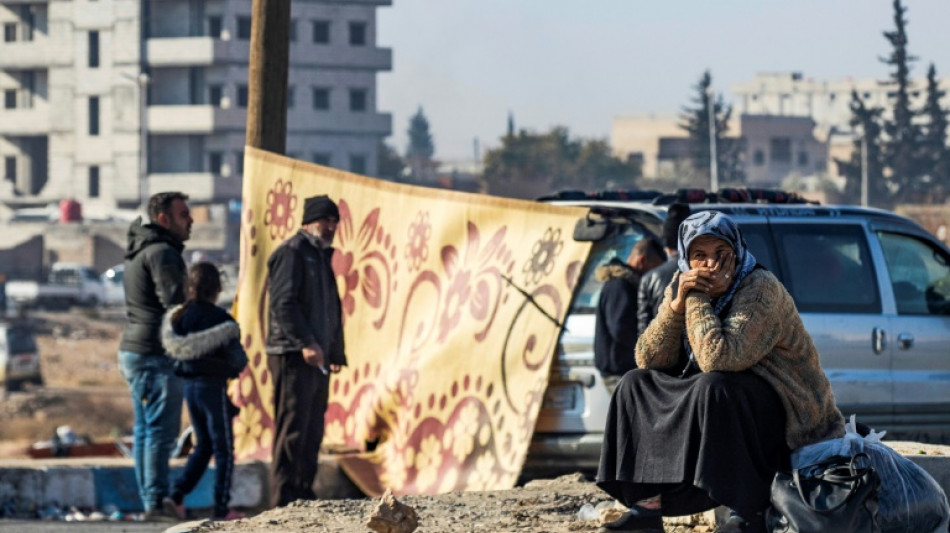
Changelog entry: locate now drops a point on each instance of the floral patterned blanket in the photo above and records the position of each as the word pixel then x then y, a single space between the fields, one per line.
pixel 451 307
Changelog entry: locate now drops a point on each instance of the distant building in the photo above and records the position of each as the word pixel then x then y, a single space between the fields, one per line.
pixel 81 78
pixel 780 146
pixel 638 136
pixel 825 102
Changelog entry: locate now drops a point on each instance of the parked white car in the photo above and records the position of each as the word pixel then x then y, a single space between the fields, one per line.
pixel 113 285
pixel 68 285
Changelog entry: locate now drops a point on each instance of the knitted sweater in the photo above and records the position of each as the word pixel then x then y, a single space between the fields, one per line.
pixel 761 332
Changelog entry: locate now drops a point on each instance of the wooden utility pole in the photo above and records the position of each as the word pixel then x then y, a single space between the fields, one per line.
pixel 267 75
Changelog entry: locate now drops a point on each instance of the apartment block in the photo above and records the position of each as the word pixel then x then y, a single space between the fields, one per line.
pixel 108 101
pixel 827 102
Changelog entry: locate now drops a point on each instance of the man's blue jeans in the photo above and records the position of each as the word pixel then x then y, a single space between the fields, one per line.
pixel 156 399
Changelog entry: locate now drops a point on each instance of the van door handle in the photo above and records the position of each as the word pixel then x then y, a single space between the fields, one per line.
pixel 905 341
pixel 878 340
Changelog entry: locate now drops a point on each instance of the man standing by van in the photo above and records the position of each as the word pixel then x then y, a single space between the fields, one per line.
pixel 154 281
pixel 615 328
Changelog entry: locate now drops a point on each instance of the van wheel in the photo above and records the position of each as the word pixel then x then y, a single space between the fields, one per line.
pixel 14 386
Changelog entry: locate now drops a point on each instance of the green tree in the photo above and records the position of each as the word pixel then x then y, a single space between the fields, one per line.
pixel 934 151
pixel 902 146
pixel 528 165
pixel 421 147
pixel 696 122
pixel 390 164
pixel 868 122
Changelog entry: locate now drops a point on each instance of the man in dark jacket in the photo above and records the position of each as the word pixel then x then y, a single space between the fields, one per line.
pixel 304 344
pixel 652 285
pixel 154 281
pixel 615 329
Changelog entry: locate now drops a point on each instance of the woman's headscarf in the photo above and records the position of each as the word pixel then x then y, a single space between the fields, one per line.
pixel 716 224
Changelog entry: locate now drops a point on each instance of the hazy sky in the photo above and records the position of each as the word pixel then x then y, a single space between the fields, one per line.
pixel 580 63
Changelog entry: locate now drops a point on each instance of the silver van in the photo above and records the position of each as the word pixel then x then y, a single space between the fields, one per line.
pixel 872 287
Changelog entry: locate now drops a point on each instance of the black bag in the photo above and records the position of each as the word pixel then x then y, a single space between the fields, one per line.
pixel 836 495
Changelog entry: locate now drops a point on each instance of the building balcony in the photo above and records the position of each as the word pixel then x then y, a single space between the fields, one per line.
pixel 340 122
pixel 195 51
pixel 24 122
pixel 194 119
pixel 199 186
pixel 26 55
pixel 343 57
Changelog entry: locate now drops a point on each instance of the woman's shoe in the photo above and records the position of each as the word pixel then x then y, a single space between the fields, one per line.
pixel 631 523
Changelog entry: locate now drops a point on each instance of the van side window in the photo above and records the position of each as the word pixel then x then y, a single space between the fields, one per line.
pixel 828 270
pixel 618 242
pixel 920 275
pixel 757 240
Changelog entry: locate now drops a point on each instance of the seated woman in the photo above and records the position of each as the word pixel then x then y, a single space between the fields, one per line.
pixel 728 380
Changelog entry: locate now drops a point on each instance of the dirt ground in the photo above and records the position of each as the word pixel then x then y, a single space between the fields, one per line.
pixel 544 506
pixel 83 387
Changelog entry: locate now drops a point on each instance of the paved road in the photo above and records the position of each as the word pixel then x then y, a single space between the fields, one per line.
pixel 40 526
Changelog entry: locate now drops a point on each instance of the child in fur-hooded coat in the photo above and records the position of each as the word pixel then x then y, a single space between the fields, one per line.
pixel 199 335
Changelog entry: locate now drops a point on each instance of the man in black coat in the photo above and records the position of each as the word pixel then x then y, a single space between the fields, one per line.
pixel 304 345
pixel 653 284
pixel 154 281
pixel 615 330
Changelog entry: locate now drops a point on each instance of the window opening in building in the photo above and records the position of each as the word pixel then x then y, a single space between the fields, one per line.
pixel 29 89
pixel 215 27
pixel 93 115
pixel 94 181
pixel 244 28
pixel 9 99
pixel 321 32
pixel 293 30
pixel 321 98
pixel 93 49
pixel 9 168
pixel 242 95
pixel 780 150
pixel 758 158
pixel 215 162
pixel 322 158
pixel 291 96
pixel 357 33
pixel 215 94
pixel 358 164
pixel 803 158
pixel 358 100
pixel 9 32
pixel 29 22
pixel 239 162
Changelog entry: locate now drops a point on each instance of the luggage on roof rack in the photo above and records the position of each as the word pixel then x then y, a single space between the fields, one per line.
pixel 732 195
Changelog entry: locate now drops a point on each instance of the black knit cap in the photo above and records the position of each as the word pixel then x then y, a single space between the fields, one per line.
pixel 675 214
pixel 317 207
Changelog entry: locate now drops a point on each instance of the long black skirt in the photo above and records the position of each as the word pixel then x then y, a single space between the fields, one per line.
pixel 710 439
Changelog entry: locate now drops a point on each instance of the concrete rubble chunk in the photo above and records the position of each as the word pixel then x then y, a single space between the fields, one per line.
pixel 392 516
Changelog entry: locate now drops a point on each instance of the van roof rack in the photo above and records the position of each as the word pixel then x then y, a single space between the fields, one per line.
pixel 732 195
pixel 607 194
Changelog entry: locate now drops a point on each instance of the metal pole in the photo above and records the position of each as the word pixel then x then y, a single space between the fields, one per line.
pixel 713 163
pixel 143 80
pixel 864 169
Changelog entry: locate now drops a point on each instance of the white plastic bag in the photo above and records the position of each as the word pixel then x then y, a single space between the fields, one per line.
pixel 910 500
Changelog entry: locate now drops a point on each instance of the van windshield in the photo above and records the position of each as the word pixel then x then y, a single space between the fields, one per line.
pixel 618 243
pixel 20 340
